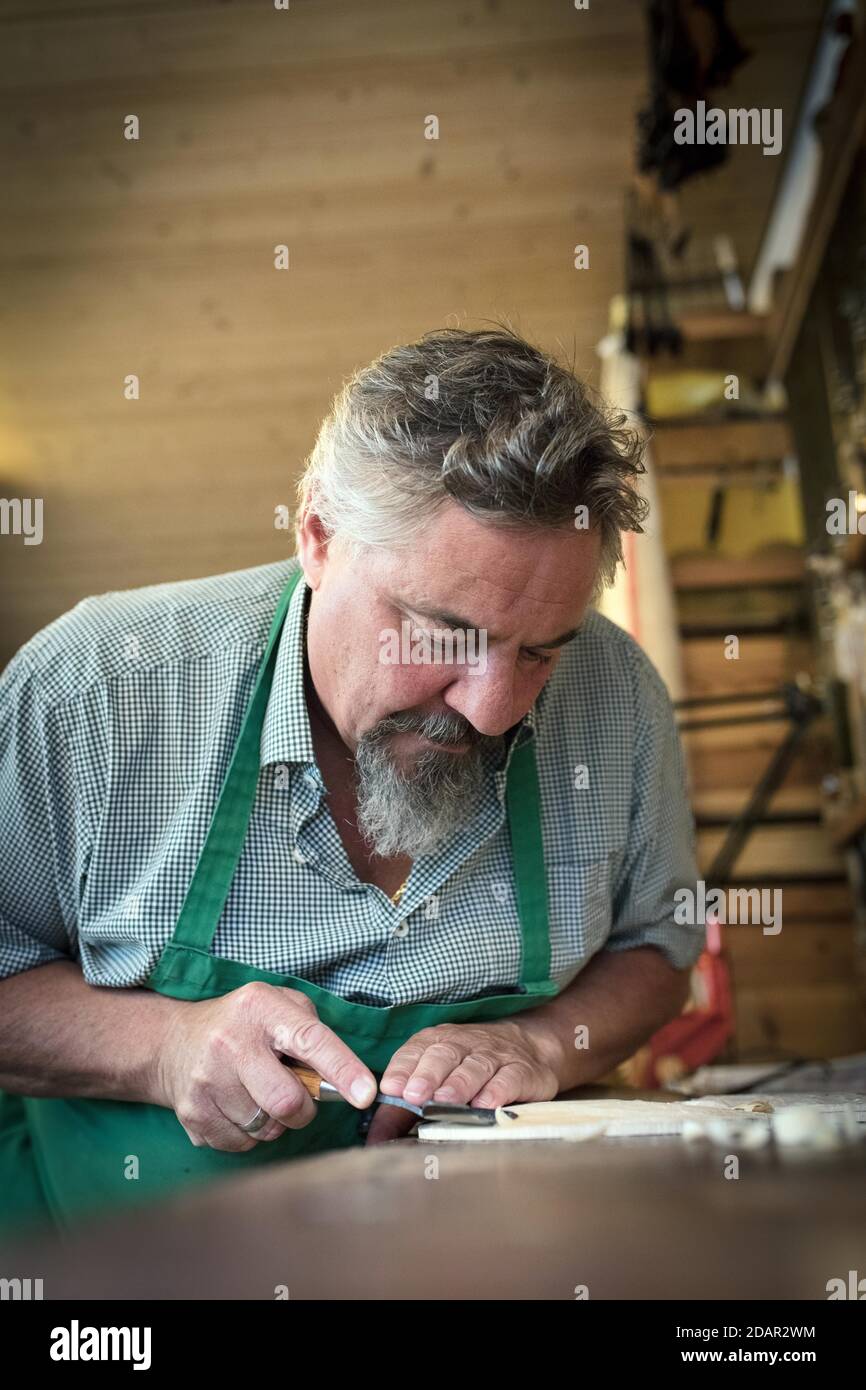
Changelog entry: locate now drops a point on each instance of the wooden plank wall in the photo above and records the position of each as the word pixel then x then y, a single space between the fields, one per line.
pixel 260 127
pixel 302 126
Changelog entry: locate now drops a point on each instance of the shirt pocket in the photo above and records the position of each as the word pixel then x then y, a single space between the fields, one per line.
pixel 582 891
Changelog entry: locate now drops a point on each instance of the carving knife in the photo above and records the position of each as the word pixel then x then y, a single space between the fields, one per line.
pixel 322 1090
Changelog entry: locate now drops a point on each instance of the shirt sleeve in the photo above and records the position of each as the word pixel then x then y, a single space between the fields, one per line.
pixel 661 854
pixel 37 816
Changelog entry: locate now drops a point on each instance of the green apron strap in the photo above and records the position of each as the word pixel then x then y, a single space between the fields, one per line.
pixel 523 802
pixel 210 884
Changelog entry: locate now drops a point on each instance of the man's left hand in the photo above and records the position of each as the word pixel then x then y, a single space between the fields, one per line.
pixel 483 1064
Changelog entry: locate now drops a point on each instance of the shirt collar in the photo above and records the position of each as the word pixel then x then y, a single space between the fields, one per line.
pixel 286 735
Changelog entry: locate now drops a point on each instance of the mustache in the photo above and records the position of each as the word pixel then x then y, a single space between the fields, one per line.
pixel 438 728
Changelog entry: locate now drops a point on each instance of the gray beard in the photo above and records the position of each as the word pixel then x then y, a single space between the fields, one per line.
pixel 414 813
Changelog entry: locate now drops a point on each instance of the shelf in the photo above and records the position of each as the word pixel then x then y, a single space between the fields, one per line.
pixel 854 552
pixel 840 140
pixel 690 446
pixel 845 831
pixel 769 570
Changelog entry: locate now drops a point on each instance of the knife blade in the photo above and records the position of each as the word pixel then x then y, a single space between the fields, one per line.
pixel 322 1090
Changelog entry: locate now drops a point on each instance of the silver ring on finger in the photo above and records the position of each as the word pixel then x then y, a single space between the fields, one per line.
pixel 259 1120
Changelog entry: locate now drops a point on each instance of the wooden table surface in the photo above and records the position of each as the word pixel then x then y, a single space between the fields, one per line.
pixel 628 1218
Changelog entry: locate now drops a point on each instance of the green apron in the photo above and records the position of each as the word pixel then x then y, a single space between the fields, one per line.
pixel 63 1159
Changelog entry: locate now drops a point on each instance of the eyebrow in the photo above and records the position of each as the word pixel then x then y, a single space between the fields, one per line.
pixel 450 620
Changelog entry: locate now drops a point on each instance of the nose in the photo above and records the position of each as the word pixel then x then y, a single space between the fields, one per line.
pixel 492 699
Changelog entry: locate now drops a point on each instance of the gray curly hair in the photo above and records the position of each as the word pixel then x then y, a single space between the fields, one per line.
pixel 483 418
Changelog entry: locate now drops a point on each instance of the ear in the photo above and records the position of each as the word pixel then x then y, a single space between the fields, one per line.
pixel 312 539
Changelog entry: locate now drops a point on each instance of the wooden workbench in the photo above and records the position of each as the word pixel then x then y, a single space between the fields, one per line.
pixel 629 1218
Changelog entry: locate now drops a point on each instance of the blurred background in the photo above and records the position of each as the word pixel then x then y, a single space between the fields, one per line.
pixel 213 212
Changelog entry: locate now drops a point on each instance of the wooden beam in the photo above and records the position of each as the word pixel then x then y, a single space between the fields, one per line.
pixel 805 954
pixel 826 901
pixel 845 831
pixel 770 567
pixel 854 552
pixel 718 803
pixel 717 475
pixel 776 852
pixel 722 325
pixel 840 141
pixel 764 663
pixel 727 444
pixel 812 1020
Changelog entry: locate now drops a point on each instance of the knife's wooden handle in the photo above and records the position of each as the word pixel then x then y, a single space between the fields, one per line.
pixel 309 1079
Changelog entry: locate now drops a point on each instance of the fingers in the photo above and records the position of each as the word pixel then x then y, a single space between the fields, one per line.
pixel 466 1080
pixel 269 1131
pixel 402 1066
pixel 461 1064
pixel 234 1132
pixel 219 1123
pixel 298 1032
pixel 272 1086
pixel 444 1071
pixel 214 1130
pixel 512 1083
pixel 232 1064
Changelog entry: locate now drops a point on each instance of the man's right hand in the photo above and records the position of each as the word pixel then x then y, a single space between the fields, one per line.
pixel 220 1061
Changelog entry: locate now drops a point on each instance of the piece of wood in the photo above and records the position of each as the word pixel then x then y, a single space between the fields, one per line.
pixel 812 1021
pixel 724 803
pixel 827 902
pixel 727 444
pixel 309 1079
pixel 746 358
pixel 739 769
pixel 717 475
pixel 763 663
pixel 802 955
pixel 784 565
pixel 626 1218
pixel 756 613
pixel 766 710
pixel 577 1121
pixel 841 137
pixel 849 827
pixel 774 851
pixel 721 325
pixel 854 552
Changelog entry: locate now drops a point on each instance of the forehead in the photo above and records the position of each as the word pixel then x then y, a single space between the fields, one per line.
pixel 482 571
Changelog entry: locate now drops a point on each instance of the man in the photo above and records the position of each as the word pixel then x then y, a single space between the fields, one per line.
pixel 275 815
